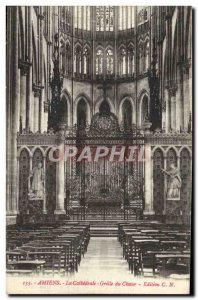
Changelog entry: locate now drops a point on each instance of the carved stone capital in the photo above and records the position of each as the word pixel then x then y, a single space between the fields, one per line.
pixel 46 106
pixel 168 17
pixel 172 89
pixel 186 66
pixel 37 90
pixel 24 65
pixel 164 105
pixel 41 17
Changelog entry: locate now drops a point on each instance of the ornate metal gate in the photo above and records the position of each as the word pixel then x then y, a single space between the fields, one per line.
pixel 105 188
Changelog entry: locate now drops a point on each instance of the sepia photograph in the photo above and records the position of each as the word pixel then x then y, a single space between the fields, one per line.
pixel 99 124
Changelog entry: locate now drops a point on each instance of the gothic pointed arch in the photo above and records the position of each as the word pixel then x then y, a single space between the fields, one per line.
pixel 66 107
pixel 122 60
pixel 104 108
pixel 78 59
pixel 99 102
pixel 68 58
pixel 146 55
pixel 62 56
pixel 86 60
pixel 132 111
pixel 81 113
pixel 63 110
pixel 127 115
pixel 144 107
pixel 109 60
pixel 99 60
pixel 140 57
pixel 131 59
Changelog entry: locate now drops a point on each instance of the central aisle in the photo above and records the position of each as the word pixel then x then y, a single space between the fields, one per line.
pixel 103 257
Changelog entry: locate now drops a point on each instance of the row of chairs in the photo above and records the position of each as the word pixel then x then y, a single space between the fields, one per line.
pixel 48 249
pixel 156 248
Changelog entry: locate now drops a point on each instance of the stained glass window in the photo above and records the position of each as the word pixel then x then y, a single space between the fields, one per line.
pixel 86 61
pixel 99 61
pixel 82 17
pixel 68 60
pixel 126 18
pixel 66 17
pixel 131 61
pixel 142 16
pixel 140 56
pixel 104 18
pixel 122 61
pixel 109 61
pixel 77 60
pixel 146 56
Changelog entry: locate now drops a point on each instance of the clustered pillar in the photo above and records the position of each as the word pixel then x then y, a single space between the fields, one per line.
pixel 148 209
pixel 60 175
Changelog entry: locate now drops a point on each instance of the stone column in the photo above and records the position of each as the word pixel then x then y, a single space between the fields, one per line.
pixel 172 95
pixel 9 50
pixel 166 110
pixel 30 104
pixel 60 187
pixel 187 103
pixel 148 177
pixel 148 174
pixel 24 65
pixel 15 108
pixel 60 175
pixel 36 111
pixel 23 98
pixel 37 98
pixel 173 113
pixel 179 108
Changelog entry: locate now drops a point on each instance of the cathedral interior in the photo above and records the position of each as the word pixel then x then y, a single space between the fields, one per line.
pixel 103 75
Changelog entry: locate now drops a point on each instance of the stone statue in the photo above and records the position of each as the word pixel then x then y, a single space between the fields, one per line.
pixel 36 187
pixel 174 182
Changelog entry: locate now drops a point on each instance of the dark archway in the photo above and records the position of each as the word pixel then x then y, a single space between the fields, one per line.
pixel 127 114
pixel 145 109
pixel 81 114
pixel 158 182
pixel 63 110
pixel 104 108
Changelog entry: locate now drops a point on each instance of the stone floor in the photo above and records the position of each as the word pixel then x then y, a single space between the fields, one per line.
pixel 103 260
